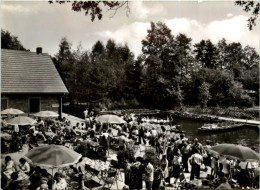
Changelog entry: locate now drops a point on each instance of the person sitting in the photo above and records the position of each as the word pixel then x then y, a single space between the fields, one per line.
pixel 91 132
pixel 204 185
pixel 24 166
pixel 14 183
pixel 44 185
pixel 35 178
pixel 104 144
pixel 8 167
pixel 59 182
pixel 45 176
pixel 73 174
pixel 224 184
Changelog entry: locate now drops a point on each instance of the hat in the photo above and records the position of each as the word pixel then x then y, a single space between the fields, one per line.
pixel 196 140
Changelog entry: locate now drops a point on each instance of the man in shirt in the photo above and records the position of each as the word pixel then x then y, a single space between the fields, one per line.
pixel 196 146
pixel 149 173
pixel 195 161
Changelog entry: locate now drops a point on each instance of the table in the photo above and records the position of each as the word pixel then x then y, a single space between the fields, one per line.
pixel 96 164
pixel 95 167
pixel 6 136
pixel 93 145
pixel 80 131
pixel 21 176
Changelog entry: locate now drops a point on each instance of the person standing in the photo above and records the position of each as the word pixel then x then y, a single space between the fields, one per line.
pixel 197 147
pixel 141 135
pixel 226 169
pixel 157 177
pixel 195 161
pixel 176 165
pixel 149 174
pixel 185 151
pixel 136 174
pixel 164 167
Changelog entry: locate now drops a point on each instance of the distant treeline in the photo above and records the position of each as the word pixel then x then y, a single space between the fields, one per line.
pixel 171 72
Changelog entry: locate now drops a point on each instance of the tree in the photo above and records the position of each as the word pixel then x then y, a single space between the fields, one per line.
pixel 9 41
pixel 65 64
pixel 238 95
pixel 206 53
pixel 133 79
pixel 220 82
pixel 95 8
pixel 250 6
pixel 158 38
pixel 184 53
pixel 250 57
pixel 235 56
pixel 222 58
pixel 111 48
pixel 204 94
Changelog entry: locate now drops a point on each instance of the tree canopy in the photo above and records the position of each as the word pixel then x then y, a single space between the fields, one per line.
pixel 171 72
pixel 251 7
pixel 9 41
pixel 95 8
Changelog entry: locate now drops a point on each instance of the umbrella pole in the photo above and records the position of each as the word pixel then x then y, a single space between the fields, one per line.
pixel 52 178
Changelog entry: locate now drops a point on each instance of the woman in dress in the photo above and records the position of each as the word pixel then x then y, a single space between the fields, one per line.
pixel 136 176
pixel 164 167
pixel 176 166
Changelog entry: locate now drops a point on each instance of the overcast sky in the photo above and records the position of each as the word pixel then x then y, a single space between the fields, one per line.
pixel 40 24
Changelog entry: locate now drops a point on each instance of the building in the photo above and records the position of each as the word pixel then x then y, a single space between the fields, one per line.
pixel 30 82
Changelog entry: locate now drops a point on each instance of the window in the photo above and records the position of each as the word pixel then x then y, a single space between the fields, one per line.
pixel 34 105
pixel 3 103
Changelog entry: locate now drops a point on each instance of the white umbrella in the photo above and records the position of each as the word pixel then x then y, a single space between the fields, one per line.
pixel 46 114
pixel 110 119
pixel 12 111
pixel 21 120
pixel 53 156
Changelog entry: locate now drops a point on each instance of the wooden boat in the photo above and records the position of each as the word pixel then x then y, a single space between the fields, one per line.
pixel 219 127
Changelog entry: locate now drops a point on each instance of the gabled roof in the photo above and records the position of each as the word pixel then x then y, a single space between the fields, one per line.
pixel 29 72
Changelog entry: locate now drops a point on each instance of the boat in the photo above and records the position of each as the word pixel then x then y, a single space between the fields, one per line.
pixel 219 127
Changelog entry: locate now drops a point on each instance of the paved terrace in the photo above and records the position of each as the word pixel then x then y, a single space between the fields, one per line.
pixel 112 155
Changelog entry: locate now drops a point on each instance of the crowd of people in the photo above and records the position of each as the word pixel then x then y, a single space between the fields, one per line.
pixel 174 156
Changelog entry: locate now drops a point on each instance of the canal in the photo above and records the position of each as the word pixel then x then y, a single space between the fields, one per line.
pixel 246 136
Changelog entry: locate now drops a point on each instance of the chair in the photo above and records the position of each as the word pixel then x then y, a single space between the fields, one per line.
pixel 115 165
pixel 88 170
pixel 110 178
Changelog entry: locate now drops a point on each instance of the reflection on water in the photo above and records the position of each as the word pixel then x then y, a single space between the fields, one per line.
pixel 246 136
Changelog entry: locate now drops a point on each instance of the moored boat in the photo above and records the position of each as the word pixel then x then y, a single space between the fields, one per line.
pixel 218 127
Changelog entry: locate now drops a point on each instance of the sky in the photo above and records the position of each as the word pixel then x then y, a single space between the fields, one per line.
pixel 40 24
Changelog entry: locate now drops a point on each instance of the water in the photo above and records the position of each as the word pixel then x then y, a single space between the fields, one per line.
pixel 246 136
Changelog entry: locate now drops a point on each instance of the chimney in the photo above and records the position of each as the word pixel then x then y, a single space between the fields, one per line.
pixel 39 50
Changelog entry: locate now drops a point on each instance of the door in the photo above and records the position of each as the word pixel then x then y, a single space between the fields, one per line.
pixel 34 105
